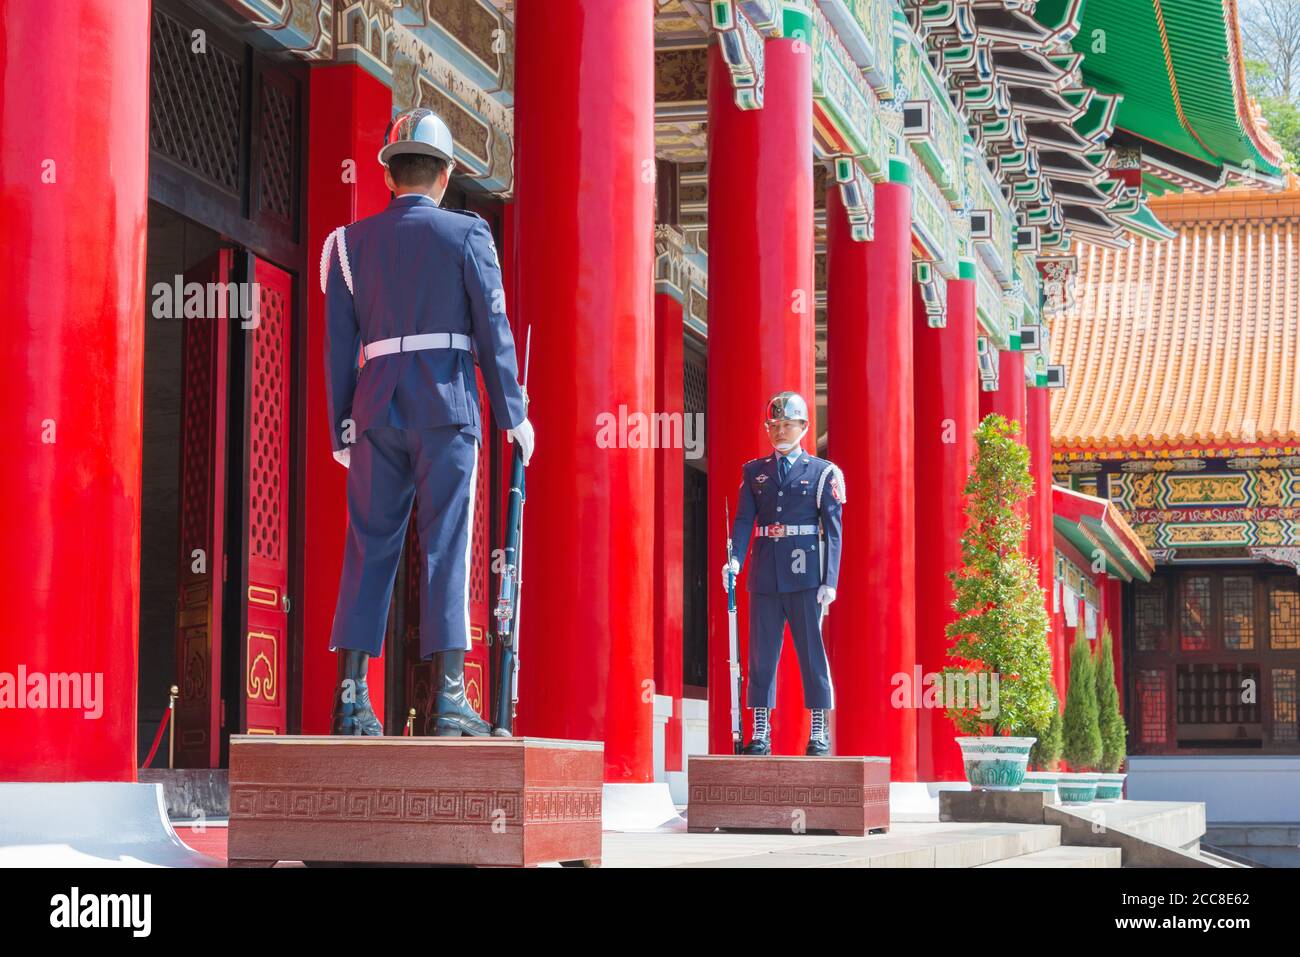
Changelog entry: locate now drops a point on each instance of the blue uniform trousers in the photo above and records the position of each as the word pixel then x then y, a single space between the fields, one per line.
pixel 768 614
pixel 389 467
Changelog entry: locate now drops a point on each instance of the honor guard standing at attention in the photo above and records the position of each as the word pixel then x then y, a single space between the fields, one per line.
pixel 413 297
pixel 790 504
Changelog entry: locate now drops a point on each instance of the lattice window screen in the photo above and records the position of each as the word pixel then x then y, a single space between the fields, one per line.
pixel 1285 728
pixel 1284 616
pixel 1238 613
pixel 1151 619
pixel 194 103
pixel 696 384
pixel 1152 695
pixel 1194 613
pixel 276 176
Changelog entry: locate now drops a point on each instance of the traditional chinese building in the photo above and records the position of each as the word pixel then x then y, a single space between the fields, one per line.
pixel 697 204
pixel 1182 411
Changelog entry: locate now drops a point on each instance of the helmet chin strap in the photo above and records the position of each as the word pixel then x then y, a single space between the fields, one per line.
pixel 785 448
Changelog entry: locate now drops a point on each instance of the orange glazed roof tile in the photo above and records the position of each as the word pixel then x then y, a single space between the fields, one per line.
pixel 1192 341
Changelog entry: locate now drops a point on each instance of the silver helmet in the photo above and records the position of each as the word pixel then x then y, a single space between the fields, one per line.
pixel 787 405
pixel 419 130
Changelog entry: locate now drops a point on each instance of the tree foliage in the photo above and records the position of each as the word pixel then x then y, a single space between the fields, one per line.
pixel 1114 733
pixel 1002 619
pixel 1082 732
pixel 1045 755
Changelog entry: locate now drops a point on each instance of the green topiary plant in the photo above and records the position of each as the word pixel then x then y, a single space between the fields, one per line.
pixel 1001 630
pixel 1082 734
pixel 1110 722
pixel 1045 755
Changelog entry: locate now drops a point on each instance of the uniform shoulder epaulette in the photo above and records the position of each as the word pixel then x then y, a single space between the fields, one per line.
pixel 463 212
pixel 832 476
pixel 336 238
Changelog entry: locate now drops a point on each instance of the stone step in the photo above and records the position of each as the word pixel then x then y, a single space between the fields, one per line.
pixel 1064 857
pixel 906 845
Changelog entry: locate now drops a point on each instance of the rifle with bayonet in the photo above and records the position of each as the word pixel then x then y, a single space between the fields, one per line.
pixel 505 651
pixel 733 661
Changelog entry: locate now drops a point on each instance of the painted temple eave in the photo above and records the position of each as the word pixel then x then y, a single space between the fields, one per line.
pixel 1094 525
pixel 1182 65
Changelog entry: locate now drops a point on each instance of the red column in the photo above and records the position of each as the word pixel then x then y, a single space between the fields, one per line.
pixel 947 403
pixel 761 337
pixel 1112 613
pixel 1038 431
pixel 1008 400
pixel 670 479
pixel 74 176
pixel 349 112
pixel 584 125
pixel 869 391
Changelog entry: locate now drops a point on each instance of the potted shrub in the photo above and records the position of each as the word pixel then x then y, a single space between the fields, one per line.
pixel 1045 756
pixel 1081 744
pixel 1114 733
pixel 999 647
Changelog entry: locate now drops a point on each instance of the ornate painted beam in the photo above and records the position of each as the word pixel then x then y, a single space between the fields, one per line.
pixel 741 45
pixel 304 28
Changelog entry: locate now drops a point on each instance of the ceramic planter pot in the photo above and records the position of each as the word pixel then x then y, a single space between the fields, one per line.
pixel 995 763
pixel 1110 787
pixel 1078 787
pixel 1041 781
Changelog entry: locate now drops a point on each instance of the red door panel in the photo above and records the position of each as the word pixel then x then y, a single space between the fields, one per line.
pixel 202 522
pixel 264 655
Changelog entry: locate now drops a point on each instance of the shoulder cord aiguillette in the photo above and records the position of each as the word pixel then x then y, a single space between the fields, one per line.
pixel 821 483
pixel 336 237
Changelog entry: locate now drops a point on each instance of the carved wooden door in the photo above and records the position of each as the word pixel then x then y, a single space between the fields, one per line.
pixel 204 376
pixel 264 655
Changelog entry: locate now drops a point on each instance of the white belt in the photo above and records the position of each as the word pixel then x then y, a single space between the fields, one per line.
pixel 427 340
pixel 785 531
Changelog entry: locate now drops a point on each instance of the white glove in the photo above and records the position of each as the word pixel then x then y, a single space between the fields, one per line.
pixel 729 571
pixel 344 458
pixel 825 595
pixel 524 433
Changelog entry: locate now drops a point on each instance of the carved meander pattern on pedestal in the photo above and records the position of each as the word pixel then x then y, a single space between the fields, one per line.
pixel 273 802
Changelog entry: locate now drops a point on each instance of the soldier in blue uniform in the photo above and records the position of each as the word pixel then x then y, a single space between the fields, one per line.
pixel 416 291
pixel 790 504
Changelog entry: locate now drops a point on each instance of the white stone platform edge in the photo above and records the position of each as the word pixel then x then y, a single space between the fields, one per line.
pixel 639 807
pixel 90 824
pixel 917 802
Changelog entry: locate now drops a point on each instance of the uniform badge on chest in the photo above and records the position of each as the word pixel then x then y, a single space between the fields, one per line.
pixel 760 478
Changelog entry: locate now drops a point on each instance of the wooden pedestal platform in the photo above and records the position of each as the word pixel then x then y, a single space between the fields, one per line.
pixel 505 802
pixel 847 795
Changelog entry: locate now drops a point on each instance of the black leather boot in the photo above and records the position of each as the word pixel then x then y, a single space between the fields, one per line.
pixel 819 742
pixel 353 713
pixel 450 713
pixel 761 743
